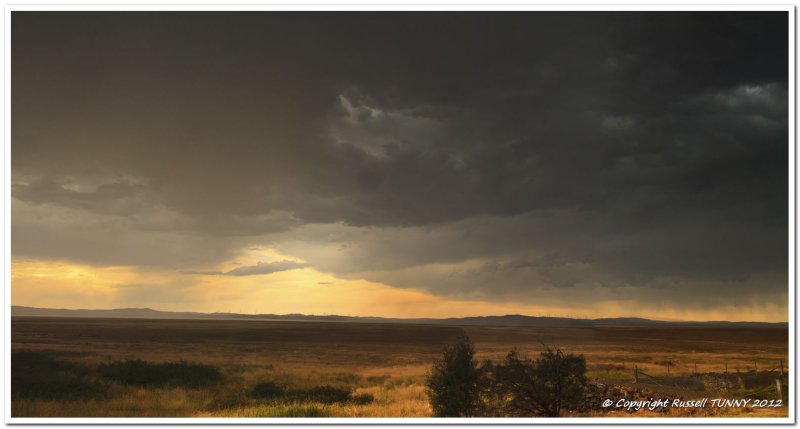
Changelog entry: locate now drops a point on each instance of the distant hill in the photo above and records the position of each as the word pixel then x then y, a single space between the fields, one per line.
pixel 507 320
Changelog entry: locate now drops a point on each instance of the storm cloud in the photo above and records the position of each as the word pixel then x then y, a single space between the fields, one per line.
pixel 516 157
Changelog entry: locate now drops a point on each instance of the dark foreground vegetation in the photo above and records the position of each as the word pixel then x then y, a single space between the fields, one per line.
pixel 73 367
pixel 518 386
pixel 170 374
pixel 41 375
pixel 50 376
pixel 556 382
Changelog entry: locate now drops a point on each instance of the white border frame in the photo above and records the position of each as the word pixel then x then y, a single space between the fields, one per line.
pixel 362 5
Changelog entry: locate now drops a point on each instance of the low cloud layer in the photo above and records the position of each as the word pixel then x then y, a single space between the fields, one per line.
pixel 526 157
pixel 261 268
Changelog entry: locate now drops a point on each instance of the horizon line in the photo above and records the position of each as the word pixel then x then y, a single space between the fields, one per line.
pixel 618 318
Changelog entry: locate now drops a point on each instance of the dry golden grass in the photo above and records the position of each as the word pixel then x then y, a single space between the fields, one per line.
pixel 127 403
pixel 384 360
pixel 394 401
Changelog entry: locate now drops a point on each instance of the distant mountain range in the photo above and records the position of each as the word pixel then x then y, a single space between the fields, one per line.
pixel 507 320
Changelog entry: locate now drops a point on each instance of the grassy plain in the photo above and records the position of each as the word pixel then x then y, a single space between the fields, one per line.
pixel 382 364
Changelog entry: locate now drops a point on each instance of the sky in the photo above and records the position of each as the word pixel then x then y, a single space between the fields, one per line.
pixel 436 164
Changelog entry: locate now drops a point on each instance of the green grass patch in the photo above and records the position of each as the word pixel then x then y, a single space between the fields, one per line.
pixel 170 374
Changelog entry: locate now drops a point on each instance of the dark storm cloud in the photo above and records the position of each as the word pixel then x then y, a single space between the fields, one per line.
pixel 613 147
pixel 108 198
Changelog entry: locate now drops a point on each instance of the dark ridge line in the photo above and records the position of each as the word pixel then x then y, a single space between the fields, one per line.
pixel 506 320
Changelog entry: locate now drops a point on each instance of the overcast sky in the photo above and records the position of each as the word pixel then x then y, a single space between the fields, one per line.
pixel 402 164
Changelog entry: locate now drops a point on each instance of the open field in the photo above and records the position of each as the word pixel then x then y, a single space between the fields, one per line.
pixel 378 368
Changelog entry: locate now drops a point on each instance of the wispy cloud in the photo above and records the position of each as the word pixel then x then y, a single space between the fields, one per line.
pixel 261 268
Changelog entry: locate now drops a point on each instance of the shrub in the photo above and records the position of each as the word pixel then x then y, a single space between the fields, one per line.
pixel 326 394
pixel 169 374
pixel 39 360
pixel 543 387
pixel 362 399
pixel 323 394
pixel 267 390
pixel 452 384
pixel 516 387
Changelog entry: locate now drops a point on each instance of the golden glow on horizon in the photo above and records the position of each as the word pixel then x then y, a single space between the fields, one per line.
pixel 57 284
